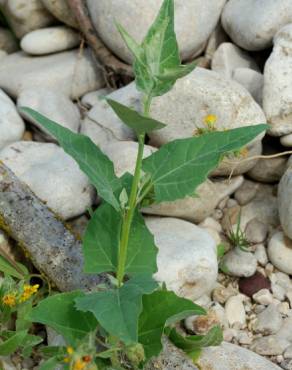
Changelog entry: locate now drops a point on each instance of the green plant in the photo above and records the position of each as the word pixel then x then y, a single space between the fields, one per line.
pixel 237 237
pixel 121 326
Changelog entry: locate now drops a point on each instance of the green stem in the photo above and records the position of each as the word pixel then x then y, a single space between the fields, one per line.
pixel 128 218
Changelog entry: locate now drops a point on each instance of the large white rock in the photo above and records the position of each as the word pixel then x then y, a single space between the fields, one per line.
pixel 194 22
pixel 70 72
pixel 280 252
pixel 196 209
pixel 8 41
pixel 52 175
pixel 252 80
pixel 60 9
pixel 52 104
pixel 49 40
pixel 205 92
pixel 11 124
pixel 277 93
pixel 187 256
pixel 228 57
pixel 252 24
pixel 25 15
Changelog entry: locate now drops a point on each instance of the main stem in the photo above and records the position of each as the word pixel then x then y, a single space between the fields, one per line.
pixel 128 218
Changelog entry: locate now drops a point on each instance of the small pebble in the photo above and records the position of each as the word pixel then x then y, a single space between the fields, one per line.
pixel 263 296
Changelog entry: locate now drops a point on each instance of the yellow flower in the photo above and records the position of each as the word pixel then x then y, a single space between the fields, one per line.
pixel 210 120
pixel 28 291
pixel 244 152
pixel 70 350
pixel 9 300
pixel 79 365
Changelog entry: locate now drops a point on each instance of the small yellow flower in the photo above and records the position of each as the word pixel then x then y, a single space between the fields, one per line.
pixel 70 350
pixel 79 365
pixel 28 291
pixel 244 152
pixel 210 120
pixel 9 300
pixel 66 360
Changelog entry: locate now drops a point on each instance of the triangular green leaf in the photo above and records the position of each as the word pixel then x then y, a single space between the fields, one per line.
pixel 178 167
pixel 12 343
pixel 132 45
pixel 59 312
pixel 136 121
pixel 96 165
pixel 101 244
pixel 177 72
pixel 162 308
pixel 118 310
pixel 7 268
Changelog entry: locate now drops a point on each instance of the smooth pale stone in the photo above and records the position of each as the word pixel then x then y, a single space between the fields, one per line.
pixel 277 93
pixel 102 124
pixel 49 40
pixel 239 263
pixel 93 97
pixel 52 104
pixel 280 252
pixel 286 140
pixel 285 201
pixel 252 24
pixel 25 15
pixel 252 80
pixel 68 72
pixel 61 10
pixel 268 321
pixel 234 310
pixel 196 209
pixel 187 256
pixel 204 92
pixel 218 36
pixel 52 175
pixel 123 154
pixel 8 41
pixel 194 22
pixel 11 124
pixel 229 356
pixel 228 57
pixel 256 231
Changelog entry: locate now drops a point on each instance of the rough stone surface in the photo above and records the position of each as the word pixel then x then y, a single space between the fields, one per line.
pixel 268 321
pixel 52 175
pixel 205 92
pixel 70 73
pixel 239 263
pixel 60 9
pixel 228 57
pixel 49 40
pixel 11 124
pixel 280 252
pixel 136 16
pixel 252 24
pixel 52 104
pixel 187 258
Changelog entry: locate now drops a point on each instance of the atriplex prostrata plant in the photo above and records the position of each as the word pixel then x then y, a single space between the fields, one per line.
pixel 121 327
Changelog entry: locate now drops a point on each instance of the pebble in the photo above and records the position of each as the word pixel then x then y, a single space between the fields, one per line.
pixel 252 24
pixel 239 263
pixel 270 345
pixel 137 15
pixel 228 57
pixel 251 285
pixel 288 352
pixel 256 231
pixel 221 293
pixel 61 10
pixel 263 296
pixel 49 40
pixel 52 175
pixel 268 170
pixel 252 80
pixel 286 140
pixel 71 73
pixel 246 192
pixel 187 256
pixel 8 41
pixel 285 204
pixel 51 103
pixel 93 97
pixel 280 252
pixel 234 310
pixel 261 254
pixel 11 124
pixel 268 321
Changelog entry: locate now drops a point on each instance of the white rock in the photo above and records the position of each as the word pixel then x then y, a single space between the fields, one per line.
pixel 93 97
pixel 218 36
pixel 256 231
pixel 288 352
pixel 101 123
pixel 8 41
pixel 239 263
pixel 210 223
pixel 205 92
pixel 52 175
pixel 246 192
pixel 11 124
pixel 52 104
pixel 261 254
pixel 252 24
pixel 270 345
pixel 277 94
pixel 279 292
pixel 187 258
pixel 123 155
pixel 234 310
pixel 61 10
pixel 252 80
pixel 280 252
pixel 69 72
pixel 268 321
pixel 49 40
pixel 25 15
pixel 285 203
pixel 286 140
pixel 137 15
pixel 228 57
pixel 196 209
pixel 263 296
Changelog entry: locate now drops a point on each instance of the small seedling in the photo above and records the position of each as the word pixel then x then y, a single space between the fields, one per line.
pixel 237 237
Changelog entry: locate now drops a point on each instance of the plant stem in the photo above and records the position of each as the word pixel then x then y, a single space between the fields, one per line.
pixel 128 218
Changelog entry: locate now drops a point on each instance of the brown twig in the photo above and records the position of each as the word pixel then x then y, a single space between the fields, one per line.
pixel 104 56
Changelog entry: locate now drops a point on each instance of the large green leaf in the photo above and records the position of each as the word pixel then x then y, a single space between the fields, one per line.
pixel 50 364
pixel 157 61
pixel 162 308
pixel 101 244
pixel 96 165
pixel 12 343
pixel 178 167
pixel 59 312
pixel 139 123
pixel 118 310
